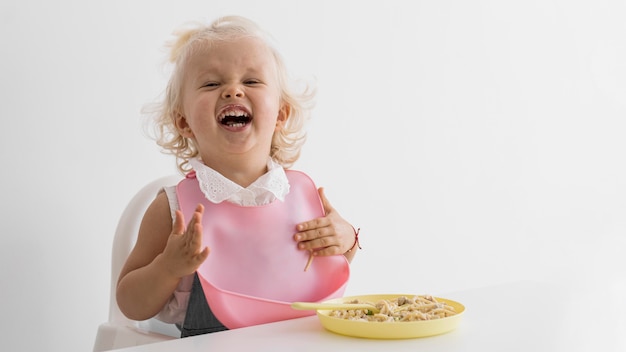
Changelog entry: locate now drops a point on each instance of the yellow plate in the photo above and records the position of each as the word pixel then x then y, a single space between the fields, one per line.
pixel 389 330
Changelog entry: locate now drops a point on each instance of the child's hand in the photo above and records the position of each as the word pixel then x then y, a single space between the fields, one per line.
pixel 328 235
pixel 183 252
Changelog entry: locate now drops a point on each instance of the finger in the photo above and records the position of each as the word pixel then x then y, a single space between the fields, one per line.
pixel 203 255
pixel 331 250
pixel 322 221
pixel 196 218
pixel 319 238
pixel 311 229
pixel 328 208
pixel 196 246
pixel 179 223
pixel 195 231
pixel 319 222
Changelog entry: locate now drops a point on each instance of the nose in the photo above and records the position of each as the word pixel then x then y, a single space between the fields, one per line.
pixel 232 91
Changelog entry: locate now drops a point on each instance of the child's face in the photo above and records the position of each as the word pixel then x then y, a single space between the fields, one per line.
pixel 231 100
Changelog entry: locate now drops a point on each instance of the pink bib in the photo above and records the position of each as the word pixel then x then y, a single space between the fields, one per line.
pixel 254 270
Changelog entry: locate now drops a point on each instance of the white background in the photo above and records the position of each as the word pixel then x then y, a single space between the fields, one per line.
pixel 474 142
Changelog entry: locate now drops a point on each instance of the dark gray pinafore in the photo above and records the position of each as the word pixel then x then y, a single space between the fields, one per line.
pixel 199 318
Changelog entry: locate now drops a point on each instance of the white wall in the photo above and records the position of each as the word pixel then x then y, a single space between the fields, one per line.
pixel 473 142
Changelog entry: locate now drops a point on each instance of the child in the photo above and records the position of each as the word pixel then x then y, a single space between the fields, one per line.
pixel 231 119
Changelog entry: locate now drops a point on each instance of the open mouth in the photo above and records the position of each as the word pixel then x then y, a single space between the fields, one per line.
pixel 235 118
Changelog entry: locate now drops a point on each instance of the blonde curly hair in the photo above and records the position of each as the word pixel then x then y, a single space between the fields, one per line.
pixel 286 142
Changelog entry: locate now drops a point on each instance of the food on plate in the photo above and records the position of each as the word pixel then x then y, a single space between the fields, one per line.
pixel 421 307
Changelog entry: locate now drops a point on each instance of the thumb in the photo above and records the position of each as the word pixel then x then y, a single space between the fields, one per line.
pixel 204 254
pixel 325 203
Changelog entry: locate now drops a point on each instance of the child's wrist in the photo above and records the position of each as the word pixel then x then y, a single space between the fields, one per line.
pixel 356 243
pixel 163 269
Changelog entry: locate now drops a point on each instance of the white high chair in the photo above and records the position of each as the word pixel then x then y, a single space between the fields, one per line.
pixel 120 331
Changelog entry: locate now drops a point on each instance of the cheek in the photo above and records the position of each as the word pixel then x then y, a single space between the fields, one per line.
pixel 273 105
pixel 199 113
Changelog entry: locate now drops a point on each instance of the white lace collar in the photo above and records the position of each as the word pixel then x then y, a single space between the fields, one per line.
pixel 217 188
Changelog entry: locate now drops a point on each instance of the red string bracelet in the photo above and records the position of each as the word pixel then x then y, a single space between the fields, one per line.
pixel 356 239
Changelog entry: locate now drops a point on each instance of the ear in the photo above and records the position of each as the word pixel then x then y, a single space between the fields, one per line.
pixel 182 126
pixel 283 115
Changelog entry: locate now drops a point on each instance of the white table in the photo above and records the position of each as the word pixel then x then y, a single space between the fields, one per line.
pixel 520 316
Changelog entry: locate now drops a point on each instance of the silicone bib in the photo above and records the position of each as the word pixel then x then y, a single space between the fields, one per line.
pixel 254 270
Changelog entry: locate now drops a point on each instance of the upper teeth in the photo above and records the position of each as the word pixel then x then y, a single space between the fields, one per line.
pixel 233 113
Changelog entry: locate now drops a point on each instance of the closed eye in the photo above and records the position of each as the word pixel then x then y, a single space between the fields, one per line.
pixel 211 84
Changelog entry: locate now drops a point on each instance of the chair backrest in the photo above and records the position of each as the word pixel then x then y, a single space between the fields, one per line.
pixel 119 331
pixel 126 236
